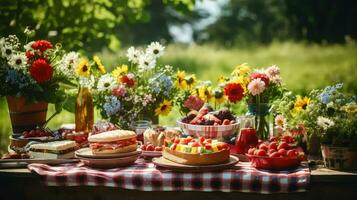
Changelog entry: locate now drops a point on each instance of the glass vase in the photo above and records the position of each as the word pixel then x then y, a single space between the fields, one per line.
pixel 84 113
pixel 261 113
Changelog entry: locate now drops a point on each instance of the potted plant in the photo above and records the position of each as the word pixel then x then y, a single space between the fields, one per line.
pixel 31 76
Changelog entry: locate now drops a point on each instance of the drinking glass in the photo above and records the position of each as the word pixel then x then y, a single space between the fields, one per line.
pixel 247 137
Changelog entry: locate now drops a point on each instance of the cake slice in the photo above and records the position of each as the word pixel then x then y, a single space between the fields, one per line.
pixel 54 150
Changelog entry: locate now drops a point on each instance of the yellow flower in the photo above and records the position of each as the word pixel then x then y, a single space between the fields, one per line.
pixel 99 64
pixel 190 80
pixel 301 104
pixel 164 108
pixel 221 79
pixel 243 81
pixel 83 68
pixel 241 70
pixel 219 97
pixel 181 80
pixel 120 71
pixel 350 108
pixel 205 93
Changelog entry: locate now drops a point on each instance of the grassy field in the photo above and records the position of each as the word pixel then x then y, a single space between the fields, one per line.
pixel 303 68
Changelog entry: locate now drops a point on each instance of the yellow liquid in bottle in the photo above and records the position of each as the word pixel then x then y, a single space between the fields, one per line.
pixel 84 115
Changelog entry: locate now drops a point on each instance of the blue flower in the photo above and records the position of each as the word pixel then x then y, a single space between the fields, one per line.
pixel 325 98
pixel 161 83
pixel 112 105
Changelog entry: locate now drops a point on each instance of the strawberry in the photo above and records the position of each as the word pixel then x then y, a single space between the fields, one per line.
pixel 282 152
pixel 271 151
pixel 273 145
pixel 188 139
pixel 150 147
pixel 261 152
pixel 283 145
pixel 195 144
pixel 209 140
pixel 143 147
pixel 173 147
pixel 201 139
pixel 251 151
pixel 263 147
pixel 288 139
pixel 291 153
pixel 158 148
pixel 208 146
pixel 177 140
pixel 172 140
pixel 275 155
pixel 226 122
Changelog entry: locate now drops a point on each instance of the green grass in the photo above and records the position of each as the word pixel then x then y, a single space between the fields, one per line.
pixel 303 67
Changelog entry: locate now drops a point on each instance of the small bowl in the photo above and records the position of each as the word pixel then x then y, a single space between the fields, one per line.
pixel 208 131
pixel 264 162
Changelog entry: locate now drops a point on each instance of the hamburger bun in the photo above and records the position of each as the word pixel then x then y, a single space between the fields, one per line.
pixel 196 159
pixel 125 149
pixel 112 136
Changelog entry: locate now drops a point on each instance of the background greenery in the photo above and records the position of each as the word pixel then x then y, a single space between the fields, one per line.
pixel 312 41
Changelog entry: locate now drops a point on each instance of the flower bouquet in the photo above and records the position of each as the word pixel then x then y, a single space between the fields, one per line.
pixel 139 90
pixel 31 76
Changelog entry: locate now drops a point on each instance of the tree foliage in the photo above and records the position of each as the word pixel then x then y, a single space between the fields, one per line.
pixel 78 24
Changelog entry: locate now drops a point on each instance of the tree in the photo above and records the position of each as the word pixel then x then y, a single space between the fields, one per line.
pixel 78 25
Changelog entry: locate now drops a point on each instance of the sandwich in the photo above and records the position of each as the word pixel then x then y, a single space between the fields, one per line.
pixel 54 150
pixel 113 142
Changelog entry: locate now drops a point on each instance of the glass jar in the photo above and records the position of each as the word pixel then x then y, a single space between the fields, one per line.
pixel 139 127
pixel 247 137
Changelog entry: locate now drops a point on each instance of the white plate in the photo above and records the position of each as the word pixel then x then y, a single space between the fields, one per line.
pixel 18 163
pixel 152 153
pixel 87 153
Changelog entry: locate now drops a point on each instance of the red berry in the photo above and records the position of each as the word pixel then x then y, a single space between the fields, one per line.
pixel 173 147
pixel 188 139
pixel 172 140
pixel 275 155
pixel 143 147
pixel 226 122
pixel 150 147
pixel 291 153
pixel 271 151
pixel 201 139
pixel 177 140
pixel 208 146
pixel 288 139
pixel 158 148
pixel 251 151
pixel 282 152
pixel 273 145
pixel 261 152
pixel 263 147
pixel 283 145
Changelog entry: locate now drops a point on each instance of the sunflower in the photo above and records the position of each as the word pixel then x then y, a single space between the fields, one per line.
pixel 219 97
pixel 301 104
pixel 221 79
pixel 190 80
pixel 99 64
pixel 120 71
pixel 205 93
pixel 241 70
pixel 164 108
pixel 83 68
pixel 181 80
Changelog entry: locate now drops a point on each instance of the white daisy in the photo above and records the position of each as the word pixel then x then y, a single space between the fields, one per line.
pixel 7 52
pixel 2 42
pixel 28 46
pixel 68 63
pixel 155 49
pixel 133 55
pixel 324 122
pixel 280 121
pixel 18 61
pixel 106 82
pixel 146 62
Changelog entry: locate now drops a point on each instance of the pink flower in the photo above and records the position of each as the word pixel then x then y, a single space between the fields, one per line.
pixel 119 91
pixel 262 76
pixel 256 86
pixel 273 71
pixel 193 103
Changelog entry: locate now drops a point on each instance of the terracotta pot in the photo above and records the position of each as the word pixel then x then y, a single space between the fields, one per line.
pixel 339 158
pixel 25 116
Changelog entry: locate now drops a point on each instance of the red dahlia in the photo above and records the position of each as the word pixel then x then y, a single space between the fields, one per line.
pixel 42 45
pixel 29 55
pixel 41 70
pixel 262 77
pixel 234 92
pixel 127 81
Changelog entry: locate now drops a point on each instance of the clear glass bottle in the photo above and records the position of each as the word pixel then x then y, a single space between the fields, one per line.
pixel 247 137
pixel 84 114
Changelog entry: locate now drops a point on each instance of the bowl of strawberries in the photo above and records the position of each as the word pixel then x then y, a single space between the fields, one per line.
pixel 209 124
pixel 276 155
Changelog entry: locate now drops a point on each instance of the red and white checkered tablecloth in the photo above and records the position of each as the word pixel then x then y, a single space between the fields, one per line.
pixel 144 176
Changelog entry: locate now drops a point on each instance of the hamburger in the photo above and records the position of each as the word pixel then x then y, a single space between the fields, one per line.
pixel 113 142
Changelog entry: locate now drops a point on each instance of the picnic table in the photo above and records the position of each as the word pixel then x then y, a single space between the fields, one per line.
pixel 24 184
